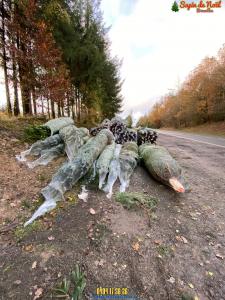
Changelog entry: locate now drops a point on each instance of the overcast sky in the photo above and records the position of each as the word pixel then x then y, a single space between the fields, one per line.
pixel 158 47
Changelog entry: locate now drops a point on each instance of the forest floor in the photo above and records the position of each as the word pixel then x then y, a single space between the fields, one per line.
pixel 177 252
pixel 214 128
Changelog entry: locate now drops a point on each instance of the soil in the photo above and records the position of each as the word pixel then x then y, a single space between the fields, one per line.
pixel 176 252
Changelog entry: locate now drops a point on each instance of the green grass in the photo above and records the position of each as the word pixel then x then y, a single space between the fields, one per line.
pixel 21 232
pixel 187 297
pixel 25 204
pixel 74 288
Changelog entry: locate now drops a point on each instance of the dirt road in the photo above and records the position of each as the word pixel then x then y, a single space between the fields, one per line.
pixel 177 253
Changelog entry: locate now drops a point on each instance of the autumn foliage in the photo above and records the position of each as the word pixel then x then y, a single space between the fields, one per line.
pixel 56 59
pixel 200 99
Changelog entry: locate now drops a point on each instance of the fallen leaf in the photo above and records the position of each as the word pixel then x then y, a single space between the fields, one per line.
pixel 34 265
pixel 38 293
pixel 191 285
pixel 209 273
pixel 219 256
pixel 181 239
pixel 184 240
pixel 51 238
pixel 53 213
pixel 28 248
pixel 157 242
pixel 171 280
pixel 178 238
pixel 136 246
pixel 92 211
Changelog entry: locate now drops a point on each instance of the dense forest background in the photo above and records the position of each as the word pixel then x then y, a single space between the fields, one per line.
pixel 56 59
pixel 200 99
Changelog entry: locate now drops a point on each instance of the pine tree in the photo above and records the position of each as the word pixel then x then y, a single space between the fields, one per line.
pixel 175 7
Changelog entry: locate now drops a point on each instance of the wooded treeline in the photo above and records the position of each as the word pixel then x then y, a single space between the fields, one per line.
pixel 55 54
pixel 200 99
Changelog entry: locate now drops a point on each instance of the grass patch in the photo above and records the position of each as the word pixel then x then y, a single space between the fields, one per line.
pixel 163 250
pixel 133 200
pixel 187 297
pixel 25 204
pixel 42 177
pixel 22 232
pixel 74 288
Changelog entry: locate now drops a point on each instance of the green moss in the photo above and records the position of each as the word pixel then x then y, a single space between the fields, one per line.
pixel 133 200
pixel 164 250
pixel 42 177
pixel 187 297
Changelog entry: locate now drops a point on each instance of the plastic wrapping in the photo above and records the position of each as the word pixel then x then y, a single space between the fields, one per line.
pixel 72 171
pixel 37 148
pixel 47 156
pixel 73 138
pixel 128 161
pixel 114 170
pixel 162 166
pixel 56 124
pixel 84 193
pixel 43 209
pixel 103 163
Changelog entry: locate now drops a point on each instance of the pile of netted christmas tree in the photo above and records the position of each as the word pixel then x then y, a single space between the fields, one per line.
pixel 112 150
pixel 124 134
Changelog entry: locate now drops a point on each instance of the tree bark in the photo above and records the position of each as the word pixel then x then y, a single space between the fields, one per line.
pixel 4 60
pixel 68 104
pixel 16 107
pixel 34 101
pixel 59 110
pixel 53 109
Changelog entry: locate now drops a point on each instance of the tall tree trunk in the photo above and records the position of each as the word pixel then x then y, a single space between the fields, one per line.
pixel 53 109
pixel 48 106
pixel 34 100
pixel 62 107
pixel 78 106
pixel 68 104
pixel 72 109
pixel 4 60
pixel 59 110
pixel 24 87
pixel 16 107
pixel 42 106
